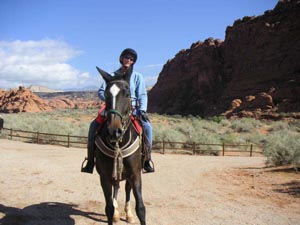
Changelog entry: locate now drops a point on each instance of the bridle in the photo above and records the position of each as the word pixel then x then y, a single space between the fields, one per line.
pixel 125 118
pixel 114 144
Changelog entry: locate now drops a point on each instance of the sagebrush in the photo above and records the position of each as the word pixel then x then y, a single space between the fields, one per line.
pixel 280 140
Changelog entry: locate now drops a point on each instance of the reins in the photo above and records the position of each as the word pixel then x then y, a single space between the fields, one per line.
pixel 118 163
pixel 118 155
pixel 113 111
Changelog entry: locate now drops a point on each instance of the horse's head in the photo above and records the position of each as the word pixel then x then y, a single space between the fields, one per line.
pixel 118 105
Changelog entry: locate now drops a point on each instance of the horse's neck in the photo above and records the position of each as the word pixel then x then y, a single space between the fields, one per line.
pixel 129 135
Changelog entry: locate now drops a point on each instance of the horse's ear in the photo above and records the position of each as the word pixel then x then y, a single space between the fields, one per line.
pixel 106 76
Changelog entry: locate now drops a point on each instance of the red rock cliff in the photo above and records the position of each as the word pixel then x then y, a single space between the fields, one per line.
pixel 259 55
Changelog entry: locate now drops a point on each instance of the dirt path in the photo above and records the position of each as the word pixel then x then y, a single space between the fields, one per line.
pixel 41 184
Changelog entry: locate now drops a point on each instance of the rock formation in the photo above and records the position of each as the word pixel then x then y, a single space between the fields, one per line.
pixel 259 55
pixel 21 100
pixel 24 100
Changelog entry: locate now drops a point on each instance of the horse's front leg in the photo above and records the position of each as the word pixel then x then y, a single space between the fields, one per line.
pixel 127 209
pixel 109 208
pixel 116 216
pixel 137 191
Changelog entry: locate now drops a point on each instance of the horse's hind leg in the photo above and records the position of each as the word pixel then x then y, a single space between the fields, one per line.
pixel 109 208
pixel 127 209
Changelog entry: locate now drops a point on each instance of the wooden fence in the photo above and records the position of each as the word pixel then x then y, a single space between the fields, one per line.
pixel 45 138
pixel 208 149
pixel 162 147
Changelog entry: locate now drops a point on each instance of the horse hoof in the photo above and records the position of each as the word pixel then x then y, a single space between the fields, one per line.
pixel 116 217
pixel 130 219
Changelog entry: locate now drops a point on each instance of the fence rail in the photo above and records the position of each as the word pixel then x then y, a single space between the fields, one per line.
pixel 207 149
pixel 46 138
pixel 162 147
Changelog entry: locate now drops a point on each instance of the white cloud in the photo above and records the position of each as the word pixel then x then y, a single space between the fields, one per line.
pixel 43 62
pixel 154 65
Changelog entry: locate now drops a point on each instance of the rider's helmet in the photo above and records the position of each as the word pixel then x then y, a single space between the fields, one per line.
pixel 128 51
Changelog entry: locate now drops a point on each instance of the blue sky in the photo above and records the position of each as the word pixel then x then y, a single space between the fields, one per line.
pixel 58 43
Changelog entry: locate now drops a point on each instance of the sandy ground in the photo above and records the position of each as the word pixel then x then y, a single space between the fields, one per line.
pixel 42 185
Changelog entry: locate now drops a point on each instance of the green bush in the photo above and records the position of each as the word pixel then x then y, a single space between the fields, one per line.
pixel 245 125
pixel 282 148
pixel 55 122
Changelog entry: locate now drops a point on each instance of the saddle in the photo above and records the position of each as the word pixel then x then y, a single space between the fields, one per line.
pixel 101 118
pixel 137 124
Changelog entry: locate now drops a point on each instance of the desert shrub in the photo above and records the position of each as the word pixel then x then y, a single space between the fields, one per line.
pixel 172 135
pixel 245 125
pixel 278 125
pixel 280 138
pixel 56 122
pixel 217 119
pixel 201 135
pixel 255 138
pixel 195 123
pixel 211 126
pixel 232 138
pixel 176 116
pixel 282 148
pixel 295 126
pixel 225 123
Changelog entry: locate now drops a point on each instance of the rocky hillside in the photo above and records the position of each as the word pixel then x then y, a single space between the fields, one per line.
pixel 21 100
pixel 255 71
pixel 24 100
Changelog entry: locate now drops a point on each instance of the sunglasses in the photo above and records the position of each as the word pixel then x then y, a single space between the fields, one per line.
pixel 129 58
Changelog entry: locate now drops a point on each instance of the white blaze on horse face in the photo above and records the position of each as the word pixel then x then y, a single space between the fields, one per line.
pixel 114 90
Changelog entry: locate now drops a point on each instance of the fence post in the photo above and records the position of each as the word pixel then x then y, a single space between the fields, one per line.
pixel 11 133
pixel 37 137
pixel 223 150
pixel 251 150
pixel 194 148
pixel 68 141
pixel 163 146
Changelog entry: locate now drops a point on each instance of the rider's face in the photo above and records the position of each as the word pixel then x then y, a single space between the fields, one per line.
pixel 127 61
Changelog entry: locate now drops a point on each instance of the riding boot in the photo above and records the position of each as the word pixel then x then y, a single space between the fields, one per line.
pixel 147 164
pixel 89 168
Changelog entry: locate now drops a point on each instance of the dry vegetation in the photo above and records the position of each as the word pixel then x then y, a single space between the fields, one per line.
pixel 280 140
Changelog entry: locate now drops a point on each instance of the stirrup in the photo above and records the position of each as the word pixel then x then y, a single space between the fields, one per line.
pixel 88 168
pixel 151 165
pixel 85 159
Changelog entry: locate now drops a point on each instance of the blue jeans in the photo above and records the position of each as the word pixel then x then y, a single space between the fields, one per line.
pixel 148 133
pixel 92 133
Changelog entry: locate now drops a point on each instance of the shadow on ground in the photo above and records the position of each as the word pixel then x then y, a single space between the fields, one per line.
pixel 46 213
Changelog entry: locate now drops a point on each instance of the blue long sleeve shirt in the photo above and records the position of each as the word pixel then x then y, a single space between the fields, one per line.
pixel 138 92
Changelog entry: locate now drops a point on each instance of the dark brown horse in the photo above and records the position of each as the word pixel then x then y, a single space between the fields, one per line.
pixel 118 151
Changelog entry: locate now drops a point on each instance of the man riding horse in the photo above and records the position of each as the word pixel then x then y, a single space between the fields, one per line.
pixel 139 100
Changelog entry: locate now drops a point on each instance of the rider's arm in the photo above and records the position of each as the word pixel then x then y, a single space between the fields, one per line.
pixel 101 91
pixel 141 93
